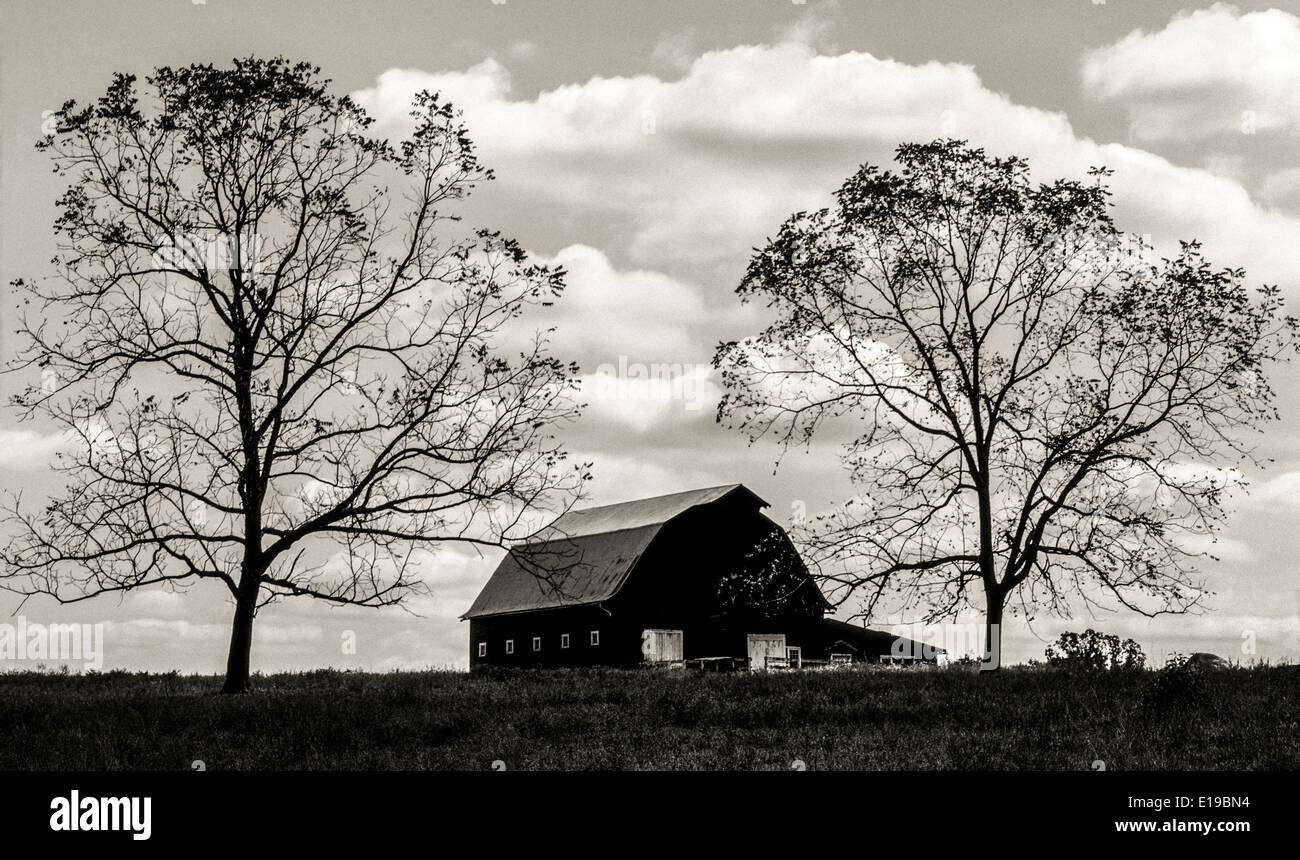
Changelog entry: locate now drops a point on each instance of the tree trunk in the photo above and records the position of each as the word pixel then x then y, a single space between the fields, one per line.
pixel 241 636
pixel 992 658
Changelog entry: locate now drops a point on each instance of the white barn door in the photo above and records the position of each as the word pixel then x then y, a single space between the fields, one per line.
pixel 764 645
pixel 663 646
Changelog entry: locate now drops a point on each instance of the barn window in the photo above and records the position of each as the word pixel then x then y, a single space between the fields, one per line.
pixel 482 649
pixel 510 646
pixel 564 640
pixel 595 637
pixel 537 643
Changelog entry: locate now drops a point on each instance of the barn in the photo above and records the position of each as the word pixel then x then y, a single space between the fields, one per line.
pixel 700 578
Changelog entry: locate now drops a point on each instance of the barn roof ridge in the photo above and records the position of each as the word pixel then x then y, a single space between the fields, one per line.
pixel 634 513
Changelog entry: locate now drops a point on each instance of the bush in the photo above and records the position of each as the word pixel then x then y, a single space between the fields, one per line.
pixel 1180 682
pixel 1095 652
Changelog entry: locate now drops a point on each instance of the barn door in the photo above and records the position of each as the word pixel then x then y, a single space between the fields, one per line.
pixel 663 646
pixel 764 645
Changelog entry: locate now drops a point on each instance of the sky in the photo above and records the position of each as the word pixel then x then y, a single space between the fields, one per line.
pixel 648 148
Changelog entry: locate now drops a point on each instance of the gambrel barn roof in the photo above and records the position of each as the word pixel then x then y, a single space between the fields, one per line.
pixel 585 556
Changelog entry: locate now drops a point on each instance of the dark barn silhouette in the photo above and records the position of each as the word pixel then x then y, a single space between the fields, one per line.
pixel 701 577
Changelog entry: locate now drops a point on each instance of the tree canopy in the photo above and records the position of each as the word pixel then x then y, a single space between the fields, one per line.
pixel 1031 407
pixel 278 361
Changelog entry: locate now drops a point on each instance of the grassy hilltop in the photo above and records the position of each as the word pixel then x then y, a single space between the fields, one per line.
pixel 872 718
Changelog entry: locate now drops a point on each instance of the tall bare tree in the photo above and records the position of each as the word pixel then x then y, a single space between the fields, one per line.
pixel 1030 407
pixel 260 356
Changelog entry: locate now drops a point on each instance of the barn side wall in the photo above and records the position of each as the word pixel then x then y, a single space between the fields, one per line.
pixel 619 645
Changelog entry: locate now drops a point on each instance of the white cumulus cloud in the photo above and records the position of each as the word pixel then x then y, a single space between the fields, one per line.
pixel 701 168
pixel 1209 72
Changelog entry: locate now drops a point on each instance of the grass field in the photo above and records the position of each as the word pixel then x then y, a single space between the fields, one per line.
pixel 610 719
